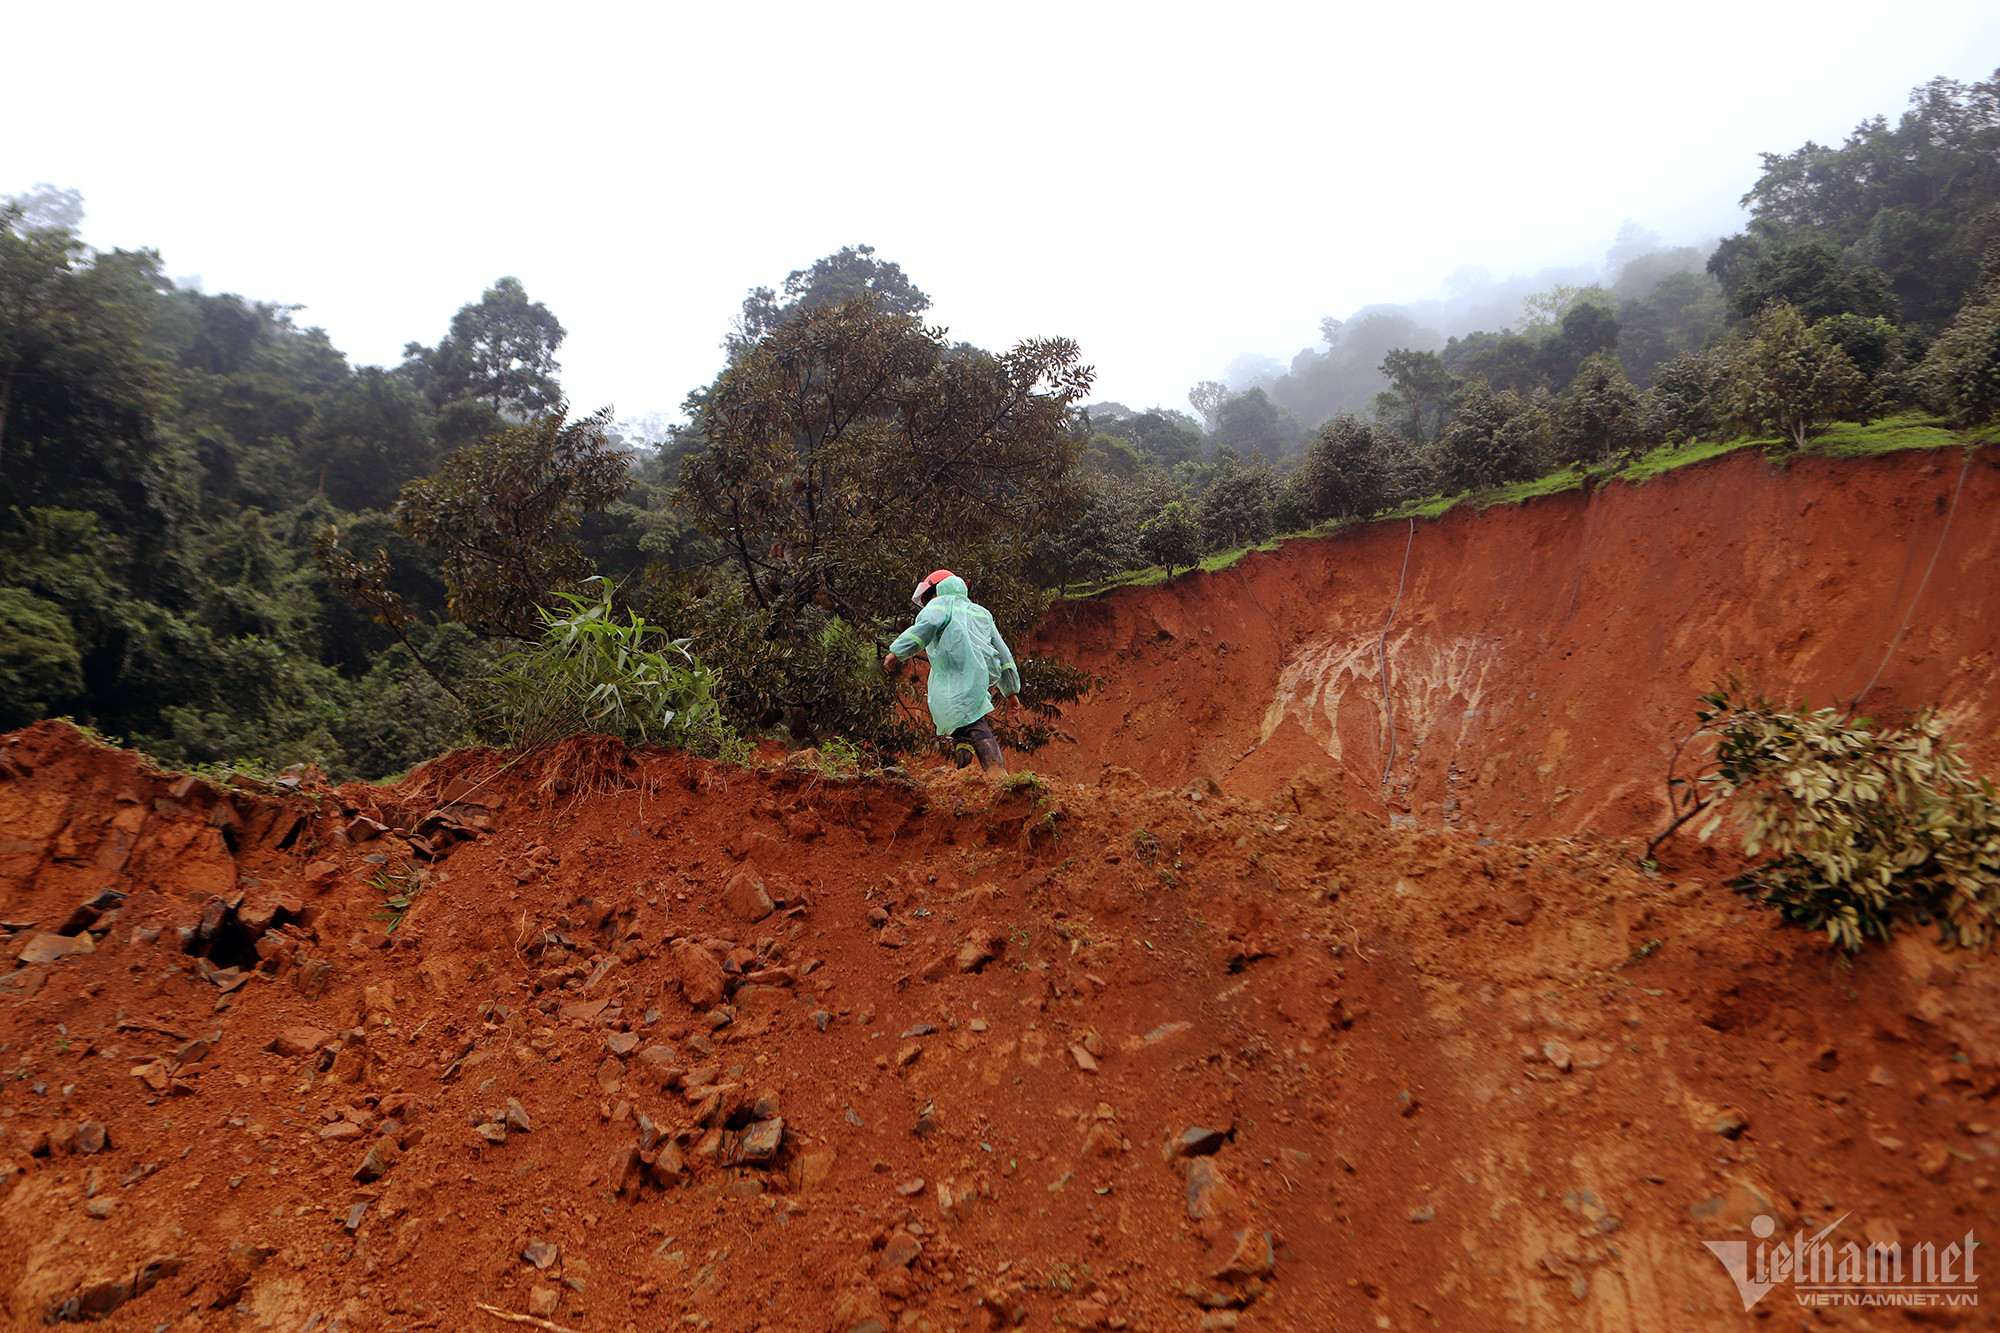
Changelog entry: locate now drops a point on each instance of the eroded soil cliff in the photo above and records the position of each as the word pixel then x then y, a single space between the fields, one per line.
pixel 1543 658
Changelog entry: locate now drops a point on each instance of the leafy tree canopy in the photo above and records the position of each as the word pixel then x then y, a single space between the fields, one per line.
pixel 847 451
pixel 847 274
pixel 500 351
pixel 1250 423
pixel 1818 280
pixel 1912 200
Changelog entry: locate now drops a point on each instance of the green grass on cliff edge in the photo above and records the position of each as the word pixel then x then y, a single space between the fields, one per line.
pixel 1909 430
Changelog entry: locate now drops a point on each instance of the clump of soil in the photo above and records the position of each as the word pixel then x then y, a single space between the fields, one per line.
pixel 657 1043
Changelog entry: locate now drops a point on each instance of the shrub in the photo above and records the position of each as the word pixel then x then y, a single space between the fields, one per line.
pixel 1235 510
pixel 1686 399
pixel 592 673
pixel 1963 370
pixel 1171 538
pixel 1494 439
pixel 1861 827
pixel 1345 473
pixel 39 663
pixel 1599 418
pixel 1794 378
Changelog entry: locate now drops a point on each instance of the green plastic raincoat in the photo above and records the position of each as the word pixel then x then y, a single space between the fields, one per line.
pixel 968 656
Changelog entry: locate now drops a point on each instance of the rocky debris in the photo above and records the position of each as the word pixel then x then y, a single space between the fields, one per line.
pixel 91 916
pixel 1932 1159
pixel 100 1208
pixel 311 977
pixel 901 1249
pixel 1085 1061
pixel 1731 1124
pixel 756 1004
pixel 47 947
pixel 239 1264
pixel 761 1140
pixel 659 1066
pixel 1558 1054
pixel 98 1299
pixel 955 1197
pixel 541 1253
pixel 1103 1139
pixel 1518 909
pixel 364 829
pixel 1198 1141
pixel 515 1117
pixel 381 1156
pixel 1253 1257
pixel 294 1042
pixel 542 1301
pixel 1210 1196
pixel 700 974
pixel 980 948
pixel 353 1062
pixel 745 897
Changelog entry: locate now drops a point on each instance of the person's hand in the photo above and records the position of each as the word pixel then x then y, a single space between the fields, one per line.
pixel 889 663
pixel 1015 701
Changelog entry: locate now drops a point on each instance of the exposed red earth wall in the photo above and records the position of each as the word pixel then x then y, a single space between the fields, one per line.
pixel 1545 657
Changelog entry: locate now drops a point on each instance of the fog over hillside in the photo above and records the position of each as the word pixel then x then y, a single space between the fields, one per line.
pixel 1168 190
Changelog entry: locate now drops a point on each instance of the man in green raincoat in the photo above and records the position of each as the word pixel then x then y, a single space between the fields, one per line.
pixel 969 660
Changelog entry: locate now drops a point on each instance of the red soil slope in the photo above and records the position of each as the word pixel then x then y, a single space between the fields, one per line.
pixel 664 1045
pixel 1545 657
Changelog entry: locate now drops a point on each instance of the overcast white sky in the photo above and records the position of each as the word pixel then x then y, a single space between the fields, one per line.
pixel 1169 184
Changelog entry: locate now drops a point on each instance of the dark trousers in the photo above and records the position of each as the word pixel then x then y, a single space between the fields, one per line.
pixel 973 733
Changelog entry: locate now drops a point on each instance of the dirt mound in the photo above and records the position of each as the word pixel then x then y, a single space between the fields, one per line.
pixel 1542 659
pixel 662 1044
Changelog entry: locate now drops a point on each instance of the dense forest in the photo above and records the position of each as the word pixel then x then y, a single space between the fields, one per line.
pixel 221 540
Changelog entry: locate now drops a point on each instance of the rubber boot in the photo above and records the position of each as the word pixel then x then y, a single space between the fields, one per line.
pixel 989 754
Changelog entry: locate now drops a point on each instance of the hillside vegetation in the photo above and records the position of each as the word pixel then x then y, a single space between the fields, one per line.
pixel 222 540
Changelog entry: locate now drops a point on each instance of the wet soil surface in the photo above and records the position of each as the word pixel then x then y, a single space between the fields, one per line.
pixel 657 1044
